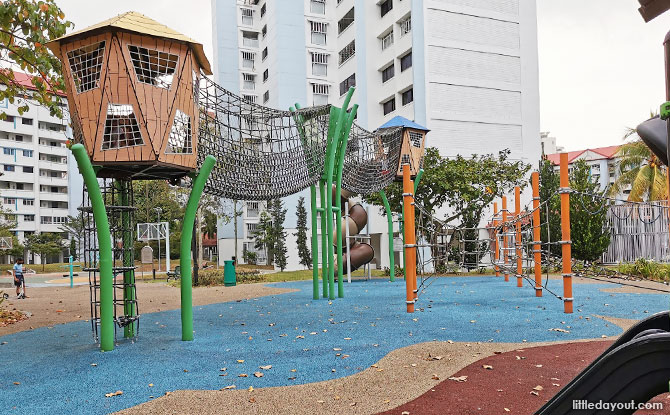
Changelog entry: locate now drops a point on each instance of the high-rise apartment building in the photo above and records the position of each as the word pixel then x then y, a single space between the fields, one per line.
pixel 465 69
pixel 35 179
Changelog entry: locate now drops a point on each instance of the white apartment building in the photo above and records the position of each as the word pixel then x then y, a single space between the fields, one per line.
pixel 465 69
pixel 35 179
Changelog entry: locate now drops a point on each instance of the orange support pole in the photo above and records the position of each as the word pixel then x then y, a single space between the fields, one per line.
pixel 566 243
pixel 519 245
pixel 410 238
pixel 496 247
pixel 504 231
pixel 537 255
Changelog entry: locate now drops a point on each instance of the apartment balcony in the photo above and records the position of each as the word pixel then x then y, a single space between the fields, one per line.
pixel 62 212
pixel 17 177
pixel 52 165
pixel 53 181
pixel 55 135
pixel 54 196
pixel 53 150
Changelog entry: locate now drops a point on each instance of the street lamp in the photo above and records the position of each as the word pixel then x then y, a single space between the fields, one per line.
pixel 158 213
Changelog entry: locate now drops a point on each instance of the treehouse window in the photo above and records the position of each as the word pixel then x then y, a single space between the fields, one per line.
pixel 180 136
pixel 153 67
pixel 86 65
pixel 415 138
pixel 121 128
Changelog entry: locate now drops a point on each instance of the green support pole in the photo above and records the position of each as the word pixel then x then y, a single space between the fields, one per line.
pixel 419 175
pixel 315 245
pixel 185 251
pixel 342 149
pixel 389 218
pixel 324 238
pixel 104 245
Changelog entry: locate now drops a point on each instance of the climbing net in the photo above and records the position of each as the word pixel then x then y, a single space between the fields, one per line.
pixel 264 153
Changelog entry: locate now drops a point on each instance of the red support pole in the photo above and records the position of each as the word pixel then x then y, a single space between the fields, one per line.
pixel 496 247
pixel 504 232
pixel 566 243
pixel 410 238
pixel 519 245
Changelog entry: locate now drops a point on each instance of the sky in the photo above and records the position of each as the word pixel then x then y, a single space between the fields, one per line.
pixel 601 66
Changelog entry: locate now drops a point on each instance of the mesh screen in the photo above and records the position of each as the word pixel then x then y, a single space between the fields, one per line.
pixel 153 67
pixel 85 65
pixel 121 128
pixel 180 141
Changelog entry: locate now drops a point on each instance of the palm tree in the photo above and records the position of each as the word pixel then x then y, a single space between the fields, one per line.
pixel 642 170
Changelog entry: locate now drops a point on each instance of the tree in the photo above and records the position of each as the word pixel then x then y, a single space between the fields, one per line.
pixel 264 236
pixel 588 212
pixel 465 186
pixel 278 214
pixel 588 215
pixel 25 28
pixel 75 226
pixel 301 235
pixel 45 244
pixel 640 169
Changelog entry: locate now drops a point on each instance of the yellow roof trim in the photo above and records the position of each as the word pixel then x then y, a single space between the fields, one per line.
pixel 139 23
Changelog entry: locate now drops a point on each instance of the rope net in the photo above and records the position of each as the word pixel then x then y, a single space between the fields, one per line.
pixel 264 153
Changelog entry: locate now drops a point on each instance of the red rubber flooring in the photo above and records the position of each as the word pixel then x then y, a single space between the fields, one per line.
pixel 517 382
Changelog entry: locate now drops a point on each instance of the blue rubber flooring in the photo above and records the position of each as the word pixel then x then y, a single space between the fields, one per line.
pixel 60 370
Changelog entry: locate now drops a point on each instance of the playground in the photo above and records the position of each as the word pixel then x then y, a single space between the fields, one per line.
pixel 523 327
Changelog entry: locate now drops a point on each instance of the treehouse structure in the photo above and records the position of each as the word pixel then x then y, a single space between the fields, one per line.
pixel 412 147
pixel 132 88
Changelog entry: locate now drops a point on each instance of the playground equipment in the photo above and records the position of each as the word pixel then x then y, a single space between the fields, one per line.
pixel 141 109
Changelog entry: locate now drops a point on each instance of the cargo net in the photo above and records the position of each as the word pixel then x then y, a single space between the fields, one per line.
pixel 264 153
pixel 261 153
pixel 119 205
pixel 371 159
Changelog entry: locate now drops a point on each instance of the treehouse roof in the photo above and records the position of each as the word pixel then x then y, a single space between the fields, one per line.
pixel 139 23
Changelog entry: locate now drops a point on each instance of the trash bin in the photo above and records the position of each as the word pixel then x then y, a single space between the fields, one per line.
pixel 229 277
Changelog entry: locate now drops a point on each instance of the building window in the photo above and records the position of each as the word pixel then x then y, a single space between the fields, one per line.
pixel 121 128
pixel 251 228
pixel 249 81
pixel 319 64
pixel 264 31
pixel 153 67
pixel 27 153
pixel 386 7
pixel 10 201
pixel 405 26
pixel 346 21
pixel 264 54
pixel 248 60
pixel 347 83
pixel 253 210
pixel 389 106
pixel 249 98
pixel 388 73
pixel 319 30
pixel 46 220
pixel 347 52
pixel 266 96
pixel 9 167
pixel 27 121
pixel 28 202
pixel 180 141
pixel 19 137
pixel 318 6
pixel 266 75
pixel 19 186
pixel 9 151
pixel 320 92
pixel 264 9
pixel 387 40
pixel 250 39
pixel 408 96
pixel 29 218
pixel 85 66
pixel 27 169
pixel 406 62
pixel 247 17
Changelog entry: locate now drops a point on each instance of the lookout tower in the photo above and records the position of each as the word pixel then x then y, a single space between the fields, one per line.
pixel 132 88
pixel 413 144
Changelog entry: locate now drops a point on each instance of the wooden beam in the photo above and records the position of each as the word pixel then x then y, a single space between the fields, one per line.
pixel 651 9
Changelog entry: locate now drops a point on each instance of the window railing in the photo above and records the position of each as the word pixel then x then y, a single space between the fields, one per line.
pixel 387 41
pixel 406 26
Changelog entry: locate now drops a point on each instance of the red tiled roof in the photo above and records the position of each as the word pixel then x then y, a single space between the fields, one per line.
pixel 25 80
pixel 607 153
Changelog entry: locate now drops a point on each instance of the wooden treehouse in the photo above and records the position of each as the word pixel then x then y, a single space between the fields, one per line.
pixel 132 88
pixel 412 147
